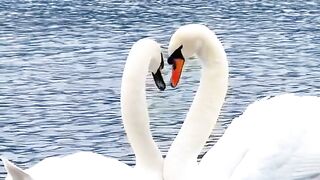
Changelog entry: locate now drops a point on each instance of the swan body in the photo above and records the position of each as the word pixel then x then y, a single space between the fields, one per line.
pixel 77 166
pixel 275 138
pixel 145 56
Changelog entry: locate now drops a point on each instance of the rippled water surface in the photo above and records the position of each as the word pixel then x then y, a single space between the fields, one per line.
pixel 61 64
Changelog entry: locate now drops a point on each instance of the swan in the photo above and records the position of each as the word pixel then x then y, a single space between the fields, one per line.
pixel 275 138
pixel 145 56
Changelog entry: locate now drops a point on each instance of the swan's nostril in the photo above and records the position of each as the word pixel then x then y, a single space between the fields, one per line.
pixel 174 66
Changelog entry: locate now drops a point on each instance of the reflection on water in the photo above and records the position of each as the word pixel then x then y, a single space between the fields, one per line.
pixel 61 64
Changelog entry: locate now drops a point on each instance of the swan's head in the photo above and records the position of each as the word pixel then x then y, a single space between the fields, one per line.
pixel 187 41
pixel 149 51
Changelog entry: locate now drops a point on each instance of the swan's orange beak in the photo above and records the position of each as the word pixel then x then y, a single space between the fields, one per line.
pixel 177 61
pixel 176 71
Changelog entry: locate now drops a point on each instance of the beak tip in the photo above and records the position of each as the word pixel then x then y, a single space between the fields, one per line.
pixel 162 88
pixel 173 85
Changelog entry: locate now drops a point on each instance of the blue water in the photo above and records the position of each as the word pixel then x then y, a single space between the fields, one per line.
pixel 61 64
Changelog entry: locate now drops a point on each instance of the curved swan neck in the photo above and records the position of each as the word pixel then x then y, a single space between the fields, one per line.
pixel 211 51
pixel 134 109
pixel 204 111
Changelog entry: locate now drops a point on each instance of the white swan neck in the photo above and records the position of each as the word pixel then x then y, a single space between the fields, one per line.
pixel 203 113
pixel 134 111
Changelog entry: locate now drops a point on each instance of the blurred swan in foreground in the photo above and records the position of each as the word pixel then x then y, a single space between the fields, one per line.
pixel 275 138
pixel 145 56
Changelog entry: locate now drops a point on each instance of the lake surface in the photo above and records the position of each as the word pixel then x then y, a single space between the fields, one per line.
pixel 61 64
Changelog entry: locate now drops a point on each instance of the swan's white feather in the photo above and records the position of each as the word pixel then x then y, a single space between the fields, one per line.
pixel 144 57
pixel 79 166
pixel 275 138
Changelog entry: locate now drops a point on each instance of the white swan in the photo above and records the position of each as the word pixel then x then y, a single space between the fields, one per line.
pixel 275 138
pixel 145 56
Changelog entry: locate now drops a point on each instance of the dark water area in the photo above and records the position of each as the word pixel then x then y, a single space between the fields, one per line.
pixel 61 64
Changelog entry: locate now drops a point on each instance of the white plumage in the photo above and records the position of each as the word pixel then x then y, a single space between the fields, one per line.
pixel 144 57
pixel 276 138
